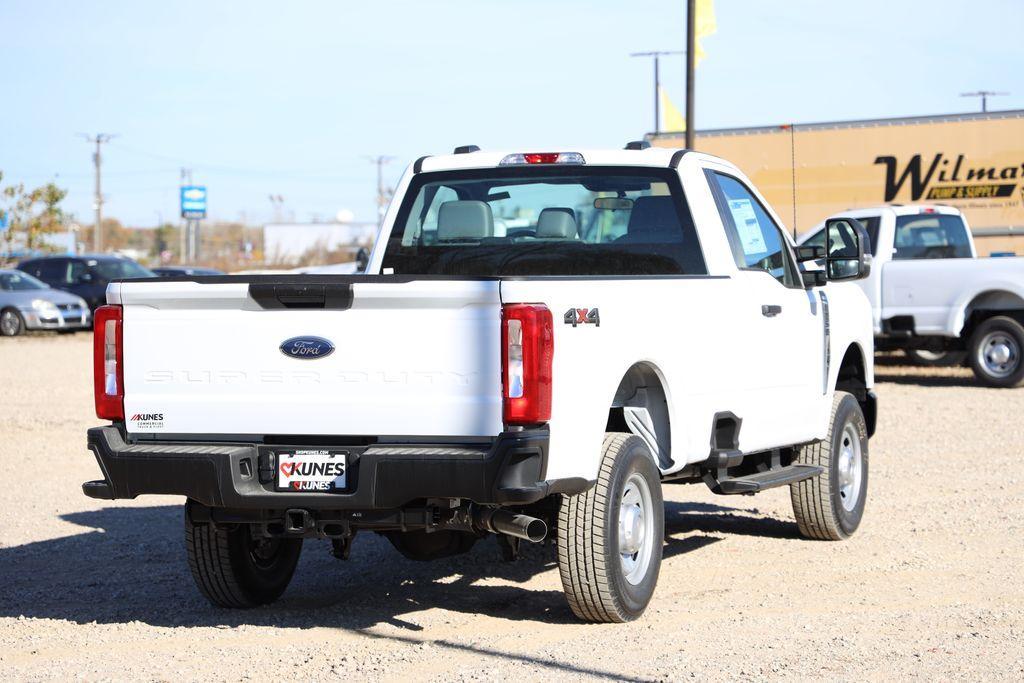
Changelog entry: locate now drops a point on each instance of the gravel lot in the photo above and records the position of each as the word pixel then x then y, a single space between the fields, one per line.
pixel 931 587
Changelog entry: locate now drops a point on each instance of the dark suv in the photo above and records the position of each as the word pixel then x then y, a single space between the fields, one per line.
pixel 87 276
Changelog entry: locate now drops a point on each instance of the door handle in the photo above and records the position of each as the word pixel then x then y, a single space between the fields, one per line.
pixel 770 310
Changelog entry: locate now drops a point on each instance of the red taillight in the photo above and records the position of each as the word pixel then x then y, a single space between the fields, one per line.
pixel 108 363
pixel 528 345
pixel 541 158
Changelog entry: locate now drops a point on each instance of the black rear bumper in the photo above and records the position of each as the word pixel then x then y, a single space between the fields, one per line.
pixel 509 471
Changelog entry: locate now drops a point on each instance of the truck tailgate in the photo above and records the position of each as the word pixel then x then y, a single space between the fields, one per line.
pixel 411 358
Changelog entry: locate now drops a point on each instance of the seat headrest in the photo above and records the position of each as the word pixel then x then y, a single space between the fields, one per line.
pixel 557 223
pixel 654 217
pixel 464 220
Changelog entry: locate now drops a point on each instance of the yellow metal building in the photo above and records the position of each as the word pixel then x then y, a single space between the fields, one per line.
pixel 974 162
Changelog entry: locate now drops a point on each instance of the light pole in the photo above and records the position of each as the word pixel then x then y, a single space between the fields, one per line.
pixel 691 66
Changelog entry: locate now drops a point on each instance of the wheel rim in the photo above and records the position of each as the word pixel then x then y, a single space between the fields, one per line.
pixel 850 467
pixel 636 529
pixel 9 323
pixel 999 354
pixel 263 551
pixel 931 356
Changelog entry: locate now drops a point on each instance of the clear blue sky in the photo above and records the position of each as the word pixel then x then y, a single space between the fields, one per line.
pixel 287 98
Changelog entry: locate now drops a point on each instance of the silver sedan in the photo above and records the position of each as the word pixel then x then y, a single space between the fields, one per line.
pixel 28 304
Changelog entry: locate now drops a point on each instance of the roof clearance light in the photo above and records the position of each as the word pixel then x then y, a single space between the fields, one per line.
pixel 543 158
pixel 928 210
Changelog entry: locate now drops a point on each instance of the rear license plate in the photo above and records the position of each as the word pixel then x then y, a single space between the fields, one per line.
pixel 312 469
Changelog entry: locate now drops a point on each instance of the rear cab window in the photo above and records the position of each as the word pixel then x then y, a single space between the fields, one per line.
pixel 931 236
pixel 545 220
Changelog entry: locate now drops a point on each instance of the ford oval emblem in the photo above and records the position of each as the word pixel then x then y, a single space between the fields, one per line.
pixel 307 348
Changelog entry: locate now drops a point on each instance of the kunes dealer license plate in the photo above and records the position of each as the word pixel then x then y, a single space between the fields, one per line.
pixel 311 469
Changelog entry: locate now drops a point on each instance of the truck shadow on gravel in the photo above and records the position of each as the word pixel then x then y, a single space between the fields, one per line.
pixel 922 380
pixel 131 566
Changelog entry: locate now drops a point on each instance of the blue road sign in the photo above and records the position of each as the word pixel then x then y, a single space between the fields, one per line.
pixel 193 201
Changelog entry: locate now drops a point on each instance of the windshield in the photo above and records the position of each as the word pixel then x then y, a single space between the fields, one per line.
pixel 544 221
pixel 931 235
pixel 120 269
pixel 11 281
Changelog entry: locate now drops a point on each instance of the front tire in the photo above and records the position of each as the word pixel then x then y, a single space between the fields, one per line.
pixel 997 352
pixel 11 323
pixel 829 507
pixel 234 568
pixel 610 537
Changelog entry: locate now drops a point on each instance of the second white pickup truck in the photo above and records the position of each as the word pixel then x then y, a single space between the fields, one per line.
pixel 932 296
pixel 542 340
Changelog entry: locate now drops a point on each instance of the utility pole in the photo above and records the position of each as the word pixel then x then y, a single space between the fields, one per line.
pixel 277 201
pixel 382 197
pixel 691 66
pixel 984 95
pixel 97 161
pixel 657 81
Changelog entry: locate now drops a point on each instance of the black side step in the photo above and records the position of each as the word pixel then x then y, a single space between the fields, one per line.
pixel 754 483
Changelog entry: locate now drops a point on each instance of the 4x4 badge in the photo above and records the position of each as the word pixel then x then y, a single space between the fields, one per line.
pixel 582 316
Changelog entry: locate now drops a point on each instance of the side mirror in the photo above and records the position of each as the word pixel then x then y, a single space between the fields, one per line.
pixel 810 253
pixel 813 278
pixel 362 259
pixel 845 239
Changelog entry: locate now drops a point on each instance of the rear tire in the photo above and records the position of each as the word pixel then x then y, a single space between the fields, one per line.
pixel 935 359
pixel 234 568
pixel 11 323
pixel 997 352
pixel 829 507
pixel 610 537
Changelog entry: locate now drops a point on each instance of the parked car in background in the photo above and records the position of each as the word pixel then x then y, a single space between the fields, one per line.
pixel 177 271
pixel 85 276
pixel 934 298
pixel 28 304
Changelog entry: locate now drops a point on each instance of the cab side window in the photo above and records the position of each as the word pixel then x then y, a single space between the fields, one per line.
pixel 816 240
pixel 756 240
pixel 870 224
pixel 75 270
pixel 50 271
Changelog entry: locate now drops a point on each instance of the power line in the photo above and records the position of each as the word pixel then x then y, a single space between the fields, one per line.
pixel 222 168
pixel 984 95
pixel 97 160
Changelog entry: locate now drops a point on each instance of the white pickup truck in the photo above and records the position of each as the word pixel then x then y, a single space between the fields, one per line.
pixel 932 296
pixel 540 341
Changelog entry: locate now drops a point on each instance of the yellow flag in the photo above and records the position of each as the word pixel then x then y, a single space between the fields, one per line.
pixel 704 25
pixel 671 120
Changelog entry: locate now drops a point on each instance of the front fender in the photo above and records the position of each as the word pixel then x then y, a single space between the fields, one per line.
pixel 851 324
